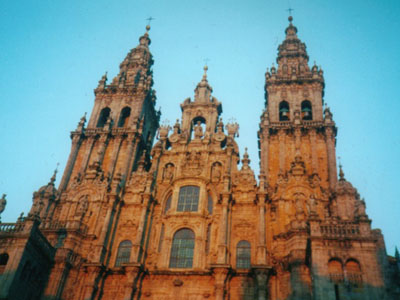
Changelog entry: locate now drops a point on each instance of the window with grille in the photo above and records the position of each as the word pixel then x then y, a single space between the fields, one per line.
pixel 182 249
pixel 124 253
pixel 188 198
pixel 243 255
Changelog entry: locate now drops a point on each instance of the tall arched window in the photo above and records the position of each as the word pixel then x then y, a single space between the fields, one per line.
pixel 182 249
pixel 188 198
pixel 243 255
pixel 353 271
pixel 124 116
pixel 104 114
pixel 335 270
pixel 124 253
pixel 284 111
pixel 306 110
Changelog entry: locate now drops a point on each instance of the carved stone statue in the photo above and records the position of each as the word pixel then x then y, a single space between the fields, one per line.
pixel 216 172
pixel 168 172
pixel 3 203
pixel 198 131
pixel 82 206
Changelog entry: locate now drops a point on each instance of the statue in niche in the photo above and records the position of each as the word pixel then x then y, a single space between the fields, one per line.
pixel 82 206
pixel 168 172
pixel 360 208
pixel 198 131
pixel 216 172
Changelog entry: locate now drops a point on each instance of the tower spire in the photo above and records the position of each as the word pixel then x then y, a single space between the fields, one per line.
pixel 203 89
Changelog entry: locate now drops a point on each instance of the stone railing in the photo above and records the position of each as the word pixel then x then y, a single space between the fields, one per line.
pixel 11 227
pixel 336 277
pixel 354 278
pixel 291 123
pixel 340 230
pixel 68 225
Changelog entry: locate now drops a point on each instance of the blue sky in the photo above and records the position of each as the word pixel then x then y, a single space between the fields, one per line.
pixel 54 52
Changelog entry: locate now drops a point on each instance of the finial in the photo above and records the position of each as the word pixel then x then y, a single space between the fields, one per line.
pixel 245 160
pixel 53 178
pixel 149 19
pixel 341 173
pixel 3 203
pixel 290 14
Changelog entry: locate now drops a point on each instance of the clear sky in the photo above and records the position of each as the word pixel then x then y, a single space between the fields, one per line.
pixel 54 52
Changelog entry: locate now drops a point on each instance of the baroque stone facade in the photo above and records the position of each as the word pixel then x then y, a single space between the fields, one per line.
pixel 180 220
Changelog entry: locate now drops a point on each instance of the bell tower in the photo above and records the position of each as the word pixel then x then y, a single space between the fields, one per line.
pixel 115 143
pixel 123 118
pixel 293 123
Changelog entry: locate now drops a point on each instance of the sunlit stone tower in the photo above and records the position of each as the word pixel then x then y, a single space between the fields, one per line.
pixel 319 239
pixel 178 219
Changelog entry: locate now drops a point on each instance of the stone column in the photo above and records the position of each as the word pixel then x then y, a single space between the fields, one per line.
pixel 264 148
pixel 220 276
pixel 76 142
pixel 222 247
pixel 103 141
pixel 261 275
pixel 90 287
pixel 313 145
pixel 132 145
pixel 282 152
pixel 132 272
pixel 330 148
pixel 114 154
pixel 88 150
pixel 57 277
pixel 261 251
pixel 104 232
pixel 139 234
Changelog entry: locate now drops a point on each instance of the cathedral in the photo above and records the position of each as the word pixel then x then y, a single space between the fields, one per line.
pixel 150 211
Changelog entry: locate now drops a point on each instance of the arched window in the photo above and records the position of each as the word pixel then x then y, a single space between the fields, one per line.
pixel 104 114
pixel 3 259
pixel 243 255
pixel 182 249
pixel 306 110
pixel 284 111
pixel 353 271
pixel 124 253
pixel 124 116
pixel 210 204
pixel 335 270
pixel 167 205
pixel 188 198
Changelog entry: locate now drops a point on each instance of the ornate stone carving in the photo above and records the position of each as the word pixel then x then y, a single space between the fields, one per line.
pixel 168 173
pixel 192 164
pixel 216 172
